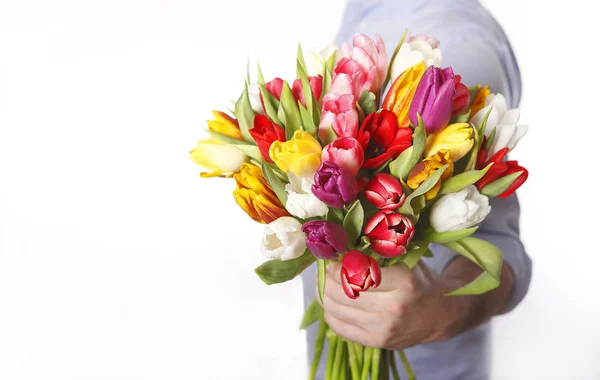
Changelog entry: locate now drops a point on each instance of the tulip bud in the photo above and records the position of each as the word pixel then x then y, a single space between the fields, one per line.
pixel 334 186
pixel 301 201
pixel 460 210
pixel 283 239
pixel 389 233
pixel 221 159
pixel 501 169
pixel 275 87
pixel 325 239
pixel 427 167
pixel 346 152
pixel 255 98
pixel 225 125
pixel 254 195
pixel 316 85
pixel 265 133
pixel 338 113
pixel 371 57
pixel 359 273
pixel 462 96
pixel 381 138
pixel 433 99
pixel 384 192
pixel 316 60
pixel 400 95
pixel 455 138
pixel 301 155
pixel 415 50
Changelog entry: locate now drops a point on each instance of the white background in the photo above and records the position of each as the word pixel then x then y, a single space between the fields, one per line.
pixel 118 262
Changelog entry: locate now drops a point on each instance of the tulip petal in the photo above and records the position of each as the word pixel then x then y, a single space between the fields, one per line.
pixel 346 286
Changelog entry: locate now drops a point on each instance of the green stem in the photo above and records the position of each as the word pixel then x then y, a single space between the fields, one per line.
pixel 318 349
pixel 384 368
pixel 354 363
pixel 366 363
pixel 330 355
pixel 359 349
pixel 375 364
pixel 337 363
pixel 393 365
pixel 344 367
pixel 407 367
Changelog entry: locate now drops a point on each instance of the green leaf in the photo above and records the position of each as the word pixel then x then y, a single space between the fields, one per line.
pixel 449 236
pixel 313 313
pixel 490 140
pixel 308 114
pixel 319 343
pixel 389 71
pixel 260 79
pixel 463 118
pixel 334 215
pixel 307 120
pixel 363 244
pixel 328 74
pixel 276 184
pixel 483 125
pixel 353 222
pixel 245 114
pixel 403 165
pixel 500 185
pixel 474 155
pixel 407 208
pixel 482 284
pixel 225 139
pixel 277 271
pixel 301 63
pixel 271 104
pixel 463 180
pixel 249 150
pixel 485 255
pixel 321 276
pixel 368 102
pixel 412 258
pixel 330 136
pixel 293 120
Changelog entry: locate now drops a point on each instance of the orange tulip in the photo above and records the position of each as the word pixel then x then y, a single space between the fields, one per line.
pixel 427 167
pixel 479 99
pixel 401 93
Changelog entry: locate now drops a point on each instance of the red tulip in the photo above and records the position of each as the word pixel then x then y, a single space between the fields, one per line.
pixel 275 87
pixel 384 192
pixel 265 133
pixel 461 96
pixel 389 233
pixel 381 138
pixel 501 169
pixel 316 85
pixel 359 273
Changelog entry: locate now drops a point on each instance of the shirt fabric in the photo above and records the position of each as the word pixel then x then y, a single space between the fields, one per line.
pixel 476 47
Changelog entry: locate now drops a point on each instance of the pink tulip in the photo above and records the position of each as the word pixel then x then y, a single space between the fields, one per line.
pixel 349 77
pixel 346 152
pixel 371 56
pixel 359 273
pixel 384 192
pixel 275 87
pixel 338 113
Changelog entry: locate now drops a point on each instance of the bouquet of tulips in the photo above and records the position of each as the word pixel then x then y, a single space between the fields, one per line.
pixel 367 163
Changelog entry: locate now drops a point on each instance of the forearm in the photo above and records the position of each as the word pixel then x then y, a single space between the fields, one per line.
pixel 474 310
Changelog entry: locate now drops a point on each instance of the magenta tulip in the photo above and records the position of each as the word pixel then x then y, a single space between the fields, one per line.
pixel 359 273
pixel 325 239
pixel 433 99
pixel 334 186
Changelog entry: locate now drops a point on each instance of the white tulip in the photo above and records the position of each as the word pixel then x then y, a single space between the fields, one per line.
pixel 301 201
pixel 254 96
pixel 213 155
pixel 283 239
pixel 508 132
pixel 414 51
pixel 460 210
pixel 316 60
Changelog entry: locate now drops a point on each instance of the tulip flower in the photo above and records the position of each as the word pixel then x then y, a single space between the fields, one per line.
pixel 381 139
pixel 508 132
pixel 275 87
pixel 415 50
pixel 400 95
pixel 301 155
pixel 334 186
pixel 427 167
pixel 433 99
pixel 325 239
pixel 384 192
pixel 220 159
pixel 479 100
pixel 501 169
pixel 455 138
pixel 265 133
pixel 316 85
pixel 346 152
pixel 389 233
pixel 316 60
pixel 255 98
pixel 372 58
pixel 283 239
pixel 359 273
pixel 254 195
pixel 301 201
pixel 460 210
pixel 338 113
pixel 225 125
pixel 349 77
pixel 462 96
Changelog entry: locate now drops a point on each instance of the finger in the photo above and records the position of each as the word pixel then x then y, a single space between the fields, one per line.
pixel 366 301
pixel 349 314
pixel 348 331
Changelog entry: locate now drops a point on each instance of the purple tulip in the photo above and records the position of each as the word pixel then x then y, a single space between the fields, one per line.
pixel 334 186
pixel 433 99
pixel 325 239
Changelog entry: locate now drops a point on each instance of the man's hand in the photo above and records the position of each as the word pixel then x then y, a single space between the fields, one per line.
pixel 409 306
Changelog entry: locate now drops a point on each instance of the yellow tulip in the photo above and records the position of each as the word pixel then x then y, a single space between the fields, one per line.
pixel 479 99
pixel 456 138
pixel 401 93
pixel 220 159
pixel 225 124
pixel 301 155
pixel 427 167
pixel 254 195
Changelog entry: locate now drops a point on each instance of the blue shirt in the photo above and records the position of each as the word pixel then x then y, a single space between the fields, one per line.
pixel 475 46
